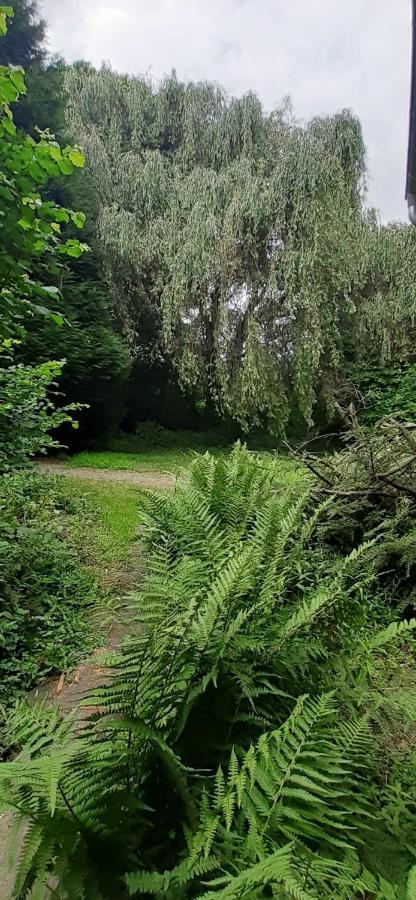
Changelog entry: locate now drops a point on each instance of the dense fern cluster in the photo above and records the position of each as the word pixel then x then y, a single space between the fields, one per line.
pixel 237 738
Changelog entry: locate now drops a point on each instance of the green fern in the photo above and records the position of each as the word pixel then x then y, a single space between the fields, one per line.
pixel 411 884
pixel 274 870
pixel 217 760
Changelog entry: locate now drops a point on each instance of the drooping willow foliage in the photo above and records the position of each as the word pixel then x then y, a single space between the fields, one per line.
pixel 387 306
pixel 235 242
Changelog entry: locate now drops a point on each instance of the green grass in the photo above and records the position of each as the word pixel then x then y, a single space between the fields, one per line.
pixel 117 504
pixel 117 511
pixel 159 460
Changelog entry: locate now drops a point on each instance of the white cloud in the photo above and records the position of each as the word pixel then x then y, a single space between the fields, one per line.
pixel 327 54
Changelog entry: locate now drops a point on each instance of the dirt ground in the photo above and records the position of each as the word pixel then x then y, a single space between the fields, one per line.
pixel 128 476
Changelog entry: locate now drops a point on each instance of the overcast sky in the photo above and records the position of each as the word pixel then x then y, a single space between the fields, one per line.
pixel 327 54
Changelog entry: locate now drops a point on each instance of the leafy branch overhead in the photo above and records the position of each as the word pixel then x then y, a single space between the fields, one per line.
pixel 30 226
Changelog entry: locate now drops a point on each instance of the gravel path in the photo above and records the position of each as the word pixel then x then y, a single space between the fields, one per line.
pixel 128 476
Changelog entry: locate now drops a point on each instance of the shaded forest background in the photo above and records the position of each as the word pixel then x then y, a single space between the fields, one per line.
pixel 236 280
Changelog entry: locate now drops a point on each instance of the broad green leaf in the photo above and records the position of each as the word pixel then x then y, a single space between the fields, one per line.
pixel 78 219
pixel 77 157
pixel 8 125
pixel 66 166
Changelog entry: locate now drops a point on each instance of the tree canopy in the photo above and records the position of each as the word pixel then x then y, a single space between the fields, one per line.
pixel 24 41
pixel 234 242
pixel 231 247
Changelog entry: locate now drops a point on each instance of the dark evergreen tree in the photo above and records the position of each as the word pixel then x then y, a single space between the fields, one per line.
pixel 25 41
pixel 25 44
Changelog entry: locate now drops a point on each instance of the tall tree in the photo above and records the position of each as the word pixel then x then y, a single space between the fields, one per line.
pixel 24 42
pixel 25 45
pixel 230 239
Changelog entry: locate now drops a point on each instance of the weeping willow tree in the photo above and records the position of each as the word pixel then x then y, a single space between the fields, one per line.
pixel 386 308
pixel 233 242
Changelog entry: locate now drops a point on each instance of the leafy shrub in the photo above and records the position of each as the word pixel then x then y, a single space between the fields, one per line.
pixel 27 411
pixel 219 761
pixel 30 225
pixel 45 592
pixel 151 435
pixel 96 359
pixel 386 388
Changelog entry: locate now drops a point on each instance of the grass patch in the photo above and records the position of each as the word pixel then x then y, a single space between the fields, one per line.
pixel 161 460
pixel 116 507
pixel 145 461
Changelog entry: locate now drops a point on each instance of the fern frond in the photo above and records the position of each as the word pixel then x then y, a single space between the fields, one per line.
pixel 144 882
pixel 411 884
pixel 296 780
pixel 392 632
pixel 273 870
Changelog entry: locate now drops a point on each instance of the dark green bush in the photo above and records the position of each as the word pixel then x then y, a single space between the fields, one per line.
pixel 96 359
pixel 45 592
pixel 151 435
pixel 386 389
pixel 27 413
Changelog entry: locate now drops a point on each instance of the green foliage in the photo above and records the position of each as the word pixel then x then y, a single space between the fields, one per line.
pixel 237 248
pixel 30 226
pixel 387 389
pixel 24 36
pixel 385 312
pixel 219 759
pixel 45 592
pixel 97 361
pixel 151 435
pixel 31 245
pixel 232 240
pixel 27 410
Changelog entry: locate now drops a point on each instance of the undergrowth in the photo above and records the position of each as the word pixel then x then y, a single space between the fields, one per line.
pixel 46 587
pixel 245 740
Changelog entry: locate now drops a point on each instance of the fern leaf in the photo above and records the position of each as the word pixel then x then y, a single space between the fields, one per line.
pixel 411 884
pixel 32 841
pixel 392 632
pixel 272 870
